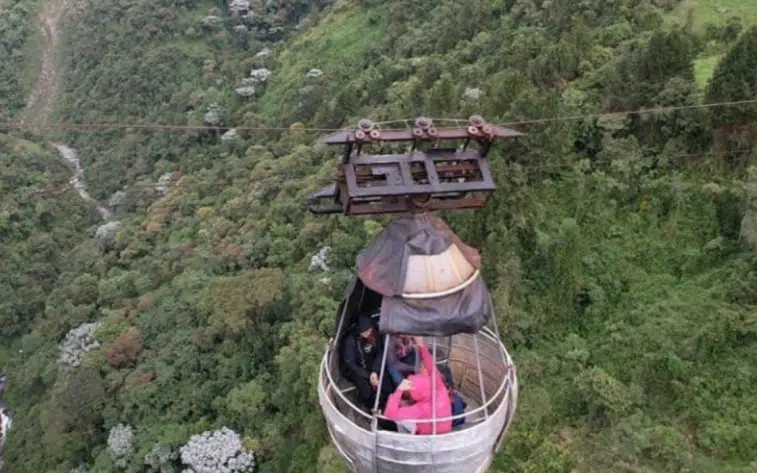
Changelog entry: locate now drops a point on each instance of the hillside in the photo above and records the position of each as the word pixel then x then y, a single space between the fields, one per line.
pixel 17 54
pixel 41 221
pixel 620 250
pixel 718 23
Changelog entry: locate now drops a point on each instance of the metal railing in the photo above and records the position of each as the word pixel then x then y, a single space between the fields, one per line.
pixel 331 387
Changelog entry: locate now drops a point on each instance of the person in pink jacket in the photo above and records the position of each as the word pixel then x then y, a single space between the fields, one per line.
pixel 419 388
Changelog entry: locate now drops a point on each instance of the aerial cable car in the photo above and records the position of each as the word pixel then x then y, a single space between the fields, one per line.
pixel 418 278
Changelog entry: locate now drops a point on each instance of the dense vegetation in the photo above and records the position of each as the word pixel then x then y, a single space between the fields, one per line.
pixel 16 29
pixel 620 250
pixel 38 228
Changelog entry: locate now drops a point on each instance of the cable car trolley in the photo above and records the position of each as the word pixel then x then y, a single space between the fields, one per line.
pixel 417 278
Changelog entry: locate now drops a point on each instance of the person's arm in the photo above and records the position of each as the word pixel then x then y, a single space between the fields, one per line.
pixel 376 365
pixel 405 366
pixel 393 361
pixel 350 360
pixel 395 411
pixel 393 405
pixel 391 357
pixel 429 363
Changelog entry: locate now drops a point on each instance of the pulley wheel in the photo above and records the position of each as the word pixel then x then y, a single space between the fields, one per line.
pixel 419 202
pixel 365 124
pixel 422 122
pixel 477 120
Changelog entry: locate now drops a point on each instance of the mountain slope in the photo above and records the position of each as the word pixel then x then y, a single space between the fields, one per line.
pixel 16 31
pixel 617 248
pixel 40 220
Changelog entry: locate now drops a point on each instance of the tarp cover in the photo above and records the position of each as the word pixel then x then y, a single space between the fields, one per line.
pixel 383 265
pixel 465 311
pixel 382 268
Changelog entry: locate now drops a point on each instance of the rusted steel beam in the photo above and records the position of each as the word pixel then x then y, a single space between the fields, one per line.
pixel 403 206
pixel 360 206
pixel 459 133
pixel 416 156
pixel 417 189
pixel 448 171
pixel 457 171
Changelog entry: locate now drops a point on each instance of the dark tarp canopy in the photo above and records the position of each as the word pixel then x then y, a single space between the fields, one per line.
pixel 426 278
pixel 383 266
pixel 465 311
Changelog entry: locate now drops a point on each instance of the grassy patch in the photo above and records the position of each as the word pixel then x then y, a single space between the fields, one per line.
pixel 714 11
pixel 703 69
pixel 22 148
pixel 337 46
pixel 341 35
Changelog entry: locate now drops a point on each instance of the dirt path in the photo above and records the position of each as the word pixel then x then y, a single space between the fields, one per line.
pixel 40 103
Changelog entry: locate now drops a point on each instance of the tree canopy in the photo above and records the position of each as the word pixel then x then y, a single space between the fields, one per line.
pixel 620 249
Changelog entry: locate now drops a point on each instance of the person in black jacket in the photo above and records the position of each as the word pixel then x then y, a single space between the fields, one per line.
pixel 362 351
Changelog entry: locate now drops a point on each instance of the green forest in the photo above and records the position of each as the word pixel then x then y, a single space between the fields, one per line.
pixel 620 247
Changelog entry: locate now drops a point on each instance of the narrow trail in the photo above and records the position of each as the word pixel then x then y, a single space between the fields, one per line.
pixel 39 105
pixel 41 101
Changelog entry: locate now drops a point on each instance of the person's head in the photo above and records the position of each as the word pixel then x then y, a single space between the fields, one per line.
pixel 403 337
pixel 365 327
pixel 367 334
pixel 420 388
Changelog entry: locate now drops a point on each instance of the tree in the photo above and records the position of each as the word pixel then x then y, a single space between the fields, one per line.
pixel 238 303
pixel 734 80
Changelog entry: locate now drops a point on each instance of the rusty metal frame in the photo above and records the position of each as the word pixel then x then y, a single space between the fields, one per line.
pixel 436 179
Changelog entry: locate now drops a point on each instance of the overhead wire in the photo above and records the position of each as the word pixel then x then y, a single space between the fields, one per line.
pixel 643 111
pixel 407 121
pixel 556 166
pixel 529 168
pixel 294 129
